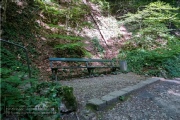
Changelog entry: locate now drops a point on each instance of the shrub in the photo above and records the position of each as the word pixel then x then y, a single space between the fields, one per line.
pixel 70 50
pixel 155 62
pixel 172 66
pixel 29 94
pixel 152 49
pixel 150 25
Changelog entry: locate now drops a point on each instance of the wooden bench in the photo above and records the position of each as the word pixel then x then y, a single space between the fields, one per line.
pixel 87 64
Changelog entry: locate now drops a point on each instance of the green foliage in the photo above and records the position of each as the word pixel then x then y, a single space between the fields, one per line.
pixel 18 23
pixel 66 37
pixel 28 93
pixel 71 50
pixel 121 98
pixel 150 25
pixel 17 90
pixel 10 59
pixel 121 7
pixel 172 66
pixel 69 98
pixel 104 5
pixel 152 48
pixel 68 46
pixel 155 62
pixel 122 55
pixel 155 11
pixel 97 45
pixel 71 14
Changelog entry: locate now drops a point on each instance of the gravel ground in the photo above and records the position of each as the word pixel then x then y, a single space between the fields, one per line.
pixel 158 101
pixel 96 87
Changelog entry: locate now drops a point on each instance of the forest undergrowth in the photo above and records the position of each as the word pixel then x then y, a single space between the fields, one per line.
pixel 145 33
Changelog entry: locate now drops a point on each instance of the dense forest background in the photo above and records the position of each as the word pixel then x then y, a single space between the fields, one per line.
pixel 144 32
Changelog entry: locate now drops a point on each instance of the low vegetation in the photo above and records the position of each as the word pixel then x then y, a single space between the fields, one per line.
pixel 152 50
pixel 153 47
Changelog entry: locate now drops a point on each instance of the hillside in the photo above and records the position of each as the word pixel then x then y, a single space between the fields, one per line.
pixel 92 29
pixel 102 40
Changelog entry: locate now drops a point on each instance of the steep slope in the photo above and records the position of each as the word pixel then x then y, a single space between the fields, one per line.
pixel 54 25
pixel 103 40
pixel 107 31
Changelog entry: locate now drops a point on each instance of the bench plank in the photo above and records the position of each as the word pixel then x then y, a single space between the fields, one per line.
pixel 79 60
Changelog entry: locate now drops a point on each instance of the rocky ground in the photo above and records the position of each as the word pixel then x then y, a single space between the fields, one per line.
pixel 158 101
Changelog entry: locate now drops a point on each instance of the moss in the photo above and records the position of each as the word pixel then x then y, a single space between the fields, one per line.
pixel 69 98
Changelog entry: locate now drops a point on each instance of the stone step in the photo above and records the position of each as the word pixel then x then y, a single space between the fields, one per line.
pixel 116 96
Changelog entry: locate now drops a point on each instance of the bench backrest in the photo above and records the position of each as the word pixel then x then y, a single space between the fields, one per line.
pixel 80 60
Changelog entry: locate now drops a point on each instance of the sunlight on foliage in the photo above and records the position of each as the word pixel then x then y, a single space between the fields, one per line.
pixel 151 25
pixel 152 47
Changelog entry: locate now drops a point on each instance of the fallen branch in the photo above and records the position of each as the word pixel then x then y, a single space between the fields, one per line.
pixel 91 14
pixel 99 30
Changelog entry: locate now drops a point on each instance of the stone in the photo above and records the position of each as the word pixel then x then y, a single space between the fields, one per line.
pixel 96 104
pixel 140 85
pixel 102 75
pixel 150 81
pixel 109 99
pixel 63 108
pixel 86 115
pixel 96 75
pixel 131 89
pixel 118 94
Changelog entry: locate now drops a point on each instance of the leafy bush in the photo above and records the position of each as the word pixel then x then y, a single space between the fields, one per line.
pixel 70 50
pixel 9 59
pixel 152 48
pixel 68 46
pixel 150 25
pixel 172 66
pixel 72 14
pixel 162 62
pixel 66 37
pixel 104 5
pixel 18 22
pixel 18 93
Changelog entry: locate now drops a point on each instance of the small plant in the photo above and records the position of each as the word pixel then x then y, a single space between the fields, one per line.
pixel 122 55
pixel 97 45
pixel 104 4
pixel 121 98
pixel 66 37
pixel 71 50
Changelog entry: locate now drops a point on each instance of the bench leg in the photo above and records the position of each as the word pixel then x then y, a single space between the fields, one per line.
pixel 54 73
pixel 90 70
pixel 113 69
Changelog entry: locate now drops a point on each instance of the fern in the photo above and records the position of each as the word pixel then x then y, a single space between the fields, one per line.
pixel 66 37
pixel 97 45
pixel 71 50
pixel 69 46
